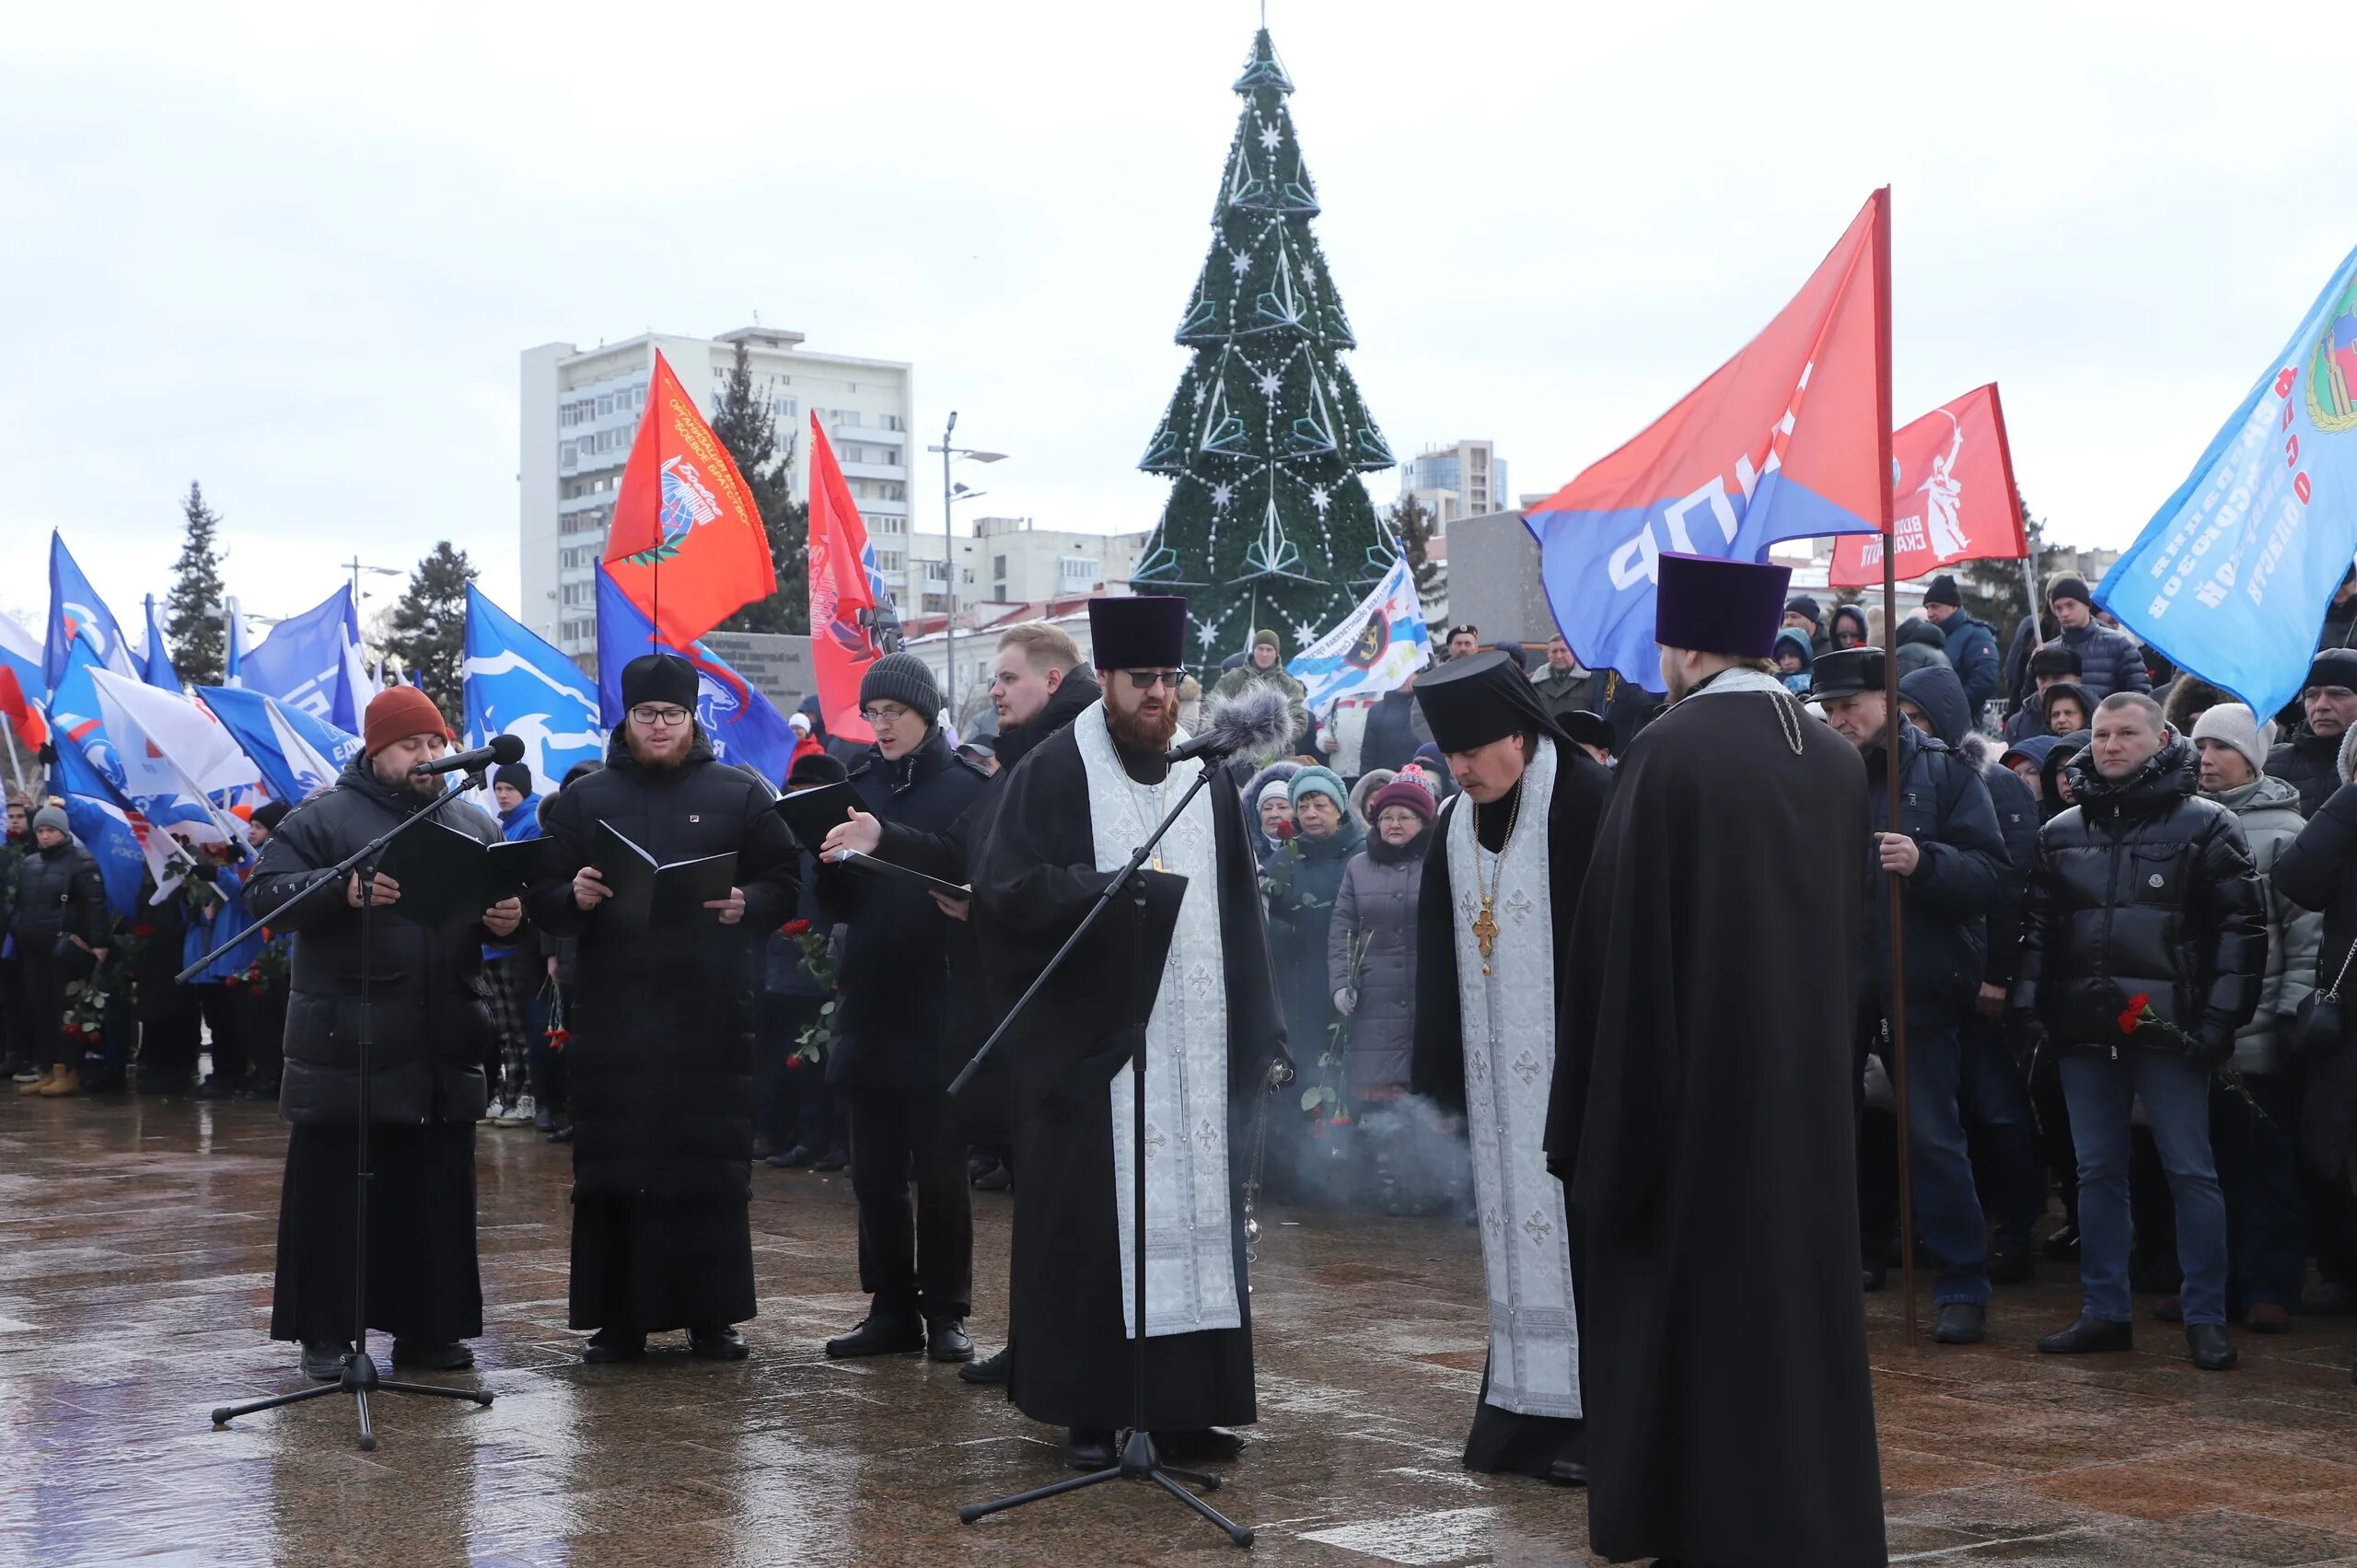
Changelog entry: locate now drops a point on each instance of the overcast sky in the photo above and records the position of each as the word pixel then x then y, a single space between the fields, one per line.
pixel 293 251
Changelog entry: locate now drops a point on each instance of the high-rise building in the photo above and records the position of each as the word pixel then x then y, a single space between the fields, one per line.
pixel 1466 480
pixel 581 409
pixel 1007 561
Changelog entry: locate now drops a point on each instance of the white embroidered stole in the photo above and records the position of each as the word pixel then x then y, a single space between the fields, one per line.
pixel 1509 1030
pixel 1189 1251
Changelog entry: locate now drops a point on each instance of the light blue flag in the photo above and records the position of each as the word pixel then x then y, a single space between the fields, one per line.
pixel 2231 577
pixel 743 726
pixel 234 660
pixel 299 755
pixel 312 661
pixel 77 615
pixel 1371 650
pixel 156 664
pixel 105 822
pixel 516 684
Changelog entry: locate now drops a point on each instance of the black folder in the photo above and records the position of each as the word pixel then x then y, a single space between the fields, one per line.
pixel 854 861
pixel 515 867
pixel 445 875
pixel 812 812
pixel 646 894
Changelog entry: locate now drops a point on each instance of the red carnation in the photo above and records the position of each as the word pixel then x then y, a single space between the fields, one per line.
pixel 2133 1014
pixel 794 1064
pixel 142 931
pixel 795 927
pixel 73 1029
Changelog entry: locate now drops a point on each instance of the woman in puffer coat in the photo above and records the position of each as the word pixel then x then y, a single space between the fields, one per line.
pixel 1371 945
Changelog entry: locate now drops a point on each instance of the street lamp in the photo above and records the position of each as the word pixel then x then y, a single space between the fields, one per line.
pixel 951 492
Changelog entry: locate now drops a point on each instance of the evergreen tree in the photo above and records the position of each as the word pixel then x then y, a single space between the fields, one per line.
pixel 429 627
pixel 747 425
pixel 1414 524
pixel 1267 523
pixel 193 631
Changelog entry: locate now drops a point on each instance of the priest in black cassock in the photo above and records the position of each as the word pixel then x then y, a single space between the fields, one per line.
pixel 1702 1113
pixel 1493 945
pixel 1190 973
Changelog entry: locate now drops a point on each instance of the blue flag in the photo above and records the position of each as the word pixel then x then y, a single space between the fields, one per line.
pixel 1371 650
pixel 143 780
pixel 233 663
pixel 77 615
pixel 299 755
pixel 156 665
pixel 312 662
pixel 516 684
pixel 743 726
pixel 2231 577
pixel 105 822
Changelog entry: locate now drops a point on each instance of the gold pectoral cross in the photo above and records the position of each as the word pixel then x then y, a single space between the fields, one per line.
pixel 1485 932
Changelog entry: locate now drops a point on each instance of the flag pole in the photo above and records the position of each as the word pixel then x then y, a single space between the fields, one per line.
pixel 1897 1025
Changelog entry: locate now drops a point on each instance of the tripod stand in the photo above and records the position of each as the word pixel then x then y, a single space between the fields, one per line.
pixel 1138 1460
pixel 359 1377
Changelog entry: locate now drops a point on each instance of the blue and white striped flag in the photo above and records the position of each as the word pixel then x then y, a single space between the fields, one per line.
pixel 1372 649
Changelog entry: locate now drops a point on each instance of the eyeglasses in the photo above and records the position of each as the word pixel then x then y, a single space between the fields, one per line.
pixel 649 715
pixel 885 713
pixel 1147 679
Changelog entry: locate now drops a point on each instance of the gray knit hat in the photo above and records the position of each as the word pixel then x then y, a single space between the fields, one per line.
pixel 53 817
pixel 903 678
pixel 2234 724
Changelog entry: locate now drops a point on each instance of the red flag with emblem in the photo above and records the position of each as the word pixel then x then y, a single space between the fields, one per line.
pixel 1951 496
pixel 843 601
pixel 686 544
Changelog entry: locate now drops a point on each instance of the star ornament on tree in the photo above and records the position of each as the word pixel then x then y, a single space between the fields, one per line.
pixel 1320 498
pixel 1239 262
pixel 1270 384
pixel 1270 138
pixel 1222 493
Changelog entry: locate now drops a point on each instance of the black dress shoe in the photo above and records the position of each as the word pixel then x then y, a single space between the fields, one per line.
pixel 793 1158
pixel 1960 1323
pixel 614 1345
pixel 453 1357
pixel 879 1334
pixel 1089 1449
pixel 723 1343
pixel 1200 1445
pixel 323 1359
pixel 2010 1263
pixel 561 1135
pixel 945 1340
pixel 2213 1352
pixel 2088 1335
pixel 1570 1472
pixel 832 1160
pixel 990 1369
pixel 211 1088
pixel 2062 1246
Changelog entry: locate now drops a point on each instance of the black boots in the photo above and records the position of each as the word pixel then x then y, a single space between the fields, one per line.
pixel 945 1340
pixel 990 1369
pixel 2213 1352
pixel 2088 1335
pixel 881 1334
pixel 614 1345
pixel 1961 1323
pixel 723 1343
pixel 456 1356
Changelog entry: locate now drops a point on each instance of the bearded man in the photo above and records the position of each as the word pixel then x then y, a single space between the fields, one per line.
pixel 1702 1112
pixel 1493 947
pixel 1187 976
pixel 425 1080
pixel 660 1066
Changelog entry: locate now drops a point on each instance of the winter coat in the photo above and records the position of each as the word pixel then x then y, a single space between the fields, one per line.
pixel 2268 811
pixel 1395 727
pixel 1944 808
pixel 2319 871
pixel 430 1028
pixel 1972 650
pixel 1244 675
pixel 2142 889
pixel 2108 661
pixel 1375 910
pixel 660 1066
pixel 2306 762
pixel 1799 681
pixel 1940 695
pixel 1920 646
pixel 1569 692
pixel 59 894
pixel 1857 618
pixel 780 970
pixel 894 981
pixel 1302 881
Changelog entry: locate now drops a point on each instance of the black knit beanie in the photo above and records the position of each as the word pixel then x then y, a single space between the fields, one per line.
pixel 903 678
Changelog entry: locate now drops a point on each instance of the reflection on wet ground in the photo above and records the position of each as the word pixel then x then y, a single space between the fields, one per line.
pixel 134 1274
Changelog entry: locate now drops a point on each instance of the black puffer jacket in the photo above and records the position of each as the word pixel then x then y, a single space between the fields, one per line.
pixel 661 1060
pixel 59 893
pixel 1940 694
pixel 2142 889
pixel 1944 807
pixel 2306 761
pixel 431 1026
pixel 894 1019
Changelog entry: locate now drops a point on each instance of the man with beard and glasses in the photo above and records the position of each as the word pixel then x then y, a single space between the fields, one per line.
pixel 660 1066
pixel 425 1081
pixel 1187 975
pixel 1037 686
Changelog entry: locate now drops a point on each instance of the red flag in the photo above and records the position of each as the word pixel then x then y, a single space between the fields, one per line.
pixel 686 544
pixel 1951 496
pixel 23 713
pixel 842 595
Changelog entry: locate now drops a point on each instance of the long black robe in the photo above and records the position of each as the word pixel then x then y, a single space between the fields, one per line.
pixel 1502 1440
pixel 1037 879
pixel 1702 1116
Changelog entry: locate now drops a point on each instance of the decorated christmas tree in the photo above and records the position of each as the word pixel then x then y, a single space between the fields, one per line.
pixel 1266 523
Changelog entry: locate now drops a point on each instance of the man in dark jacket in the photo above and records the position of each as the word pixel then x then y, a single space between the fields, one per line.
pixel 1971 644
pixel 1395 727
pixel 1996 1110
pixel 661 1064
pixel 60 926
pixel 1803 615
pixel 2143 948
pixel 1563 687
pixel 2305 760
pixel 2108 660
pixel 1946 847
pixel 890 1031
pixel 428 1030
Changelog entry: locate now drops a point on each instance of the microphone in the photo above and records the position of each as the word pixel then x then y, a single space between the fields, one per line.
pixel 1256 719
pixel 502 749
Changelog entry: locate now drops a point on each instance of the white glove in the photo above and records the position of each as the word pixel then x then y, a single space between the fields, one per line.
pixel 1346 1002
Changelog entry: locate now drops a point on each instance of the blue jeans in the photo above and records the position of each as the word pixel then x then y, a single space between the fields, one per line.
pixel 2177 1101
pixel 1996 1108
pixel 1948 1204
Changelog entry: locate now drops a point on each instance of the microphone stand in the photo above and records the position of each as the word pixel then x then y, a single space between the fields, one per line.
pixel 1138 1460
pixel 359 1377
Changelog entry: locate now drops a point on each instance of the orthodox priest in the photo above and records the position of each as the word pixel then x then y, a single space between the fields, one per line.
pixel 1188 975
pixel 1702 1112
pixel 661 1063
pixel 1493 937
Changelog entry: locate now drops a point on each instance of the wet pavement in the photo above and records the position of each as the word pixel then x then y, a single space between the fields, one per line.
pixel 135 1245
